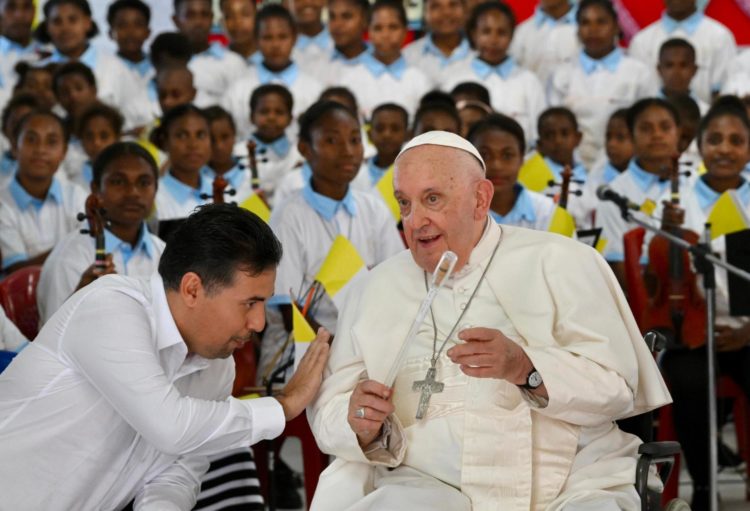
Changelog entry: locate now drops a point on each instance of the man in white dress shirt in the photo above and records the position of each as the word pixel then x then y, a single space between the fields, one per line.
pixel 125 391
pixel 532 342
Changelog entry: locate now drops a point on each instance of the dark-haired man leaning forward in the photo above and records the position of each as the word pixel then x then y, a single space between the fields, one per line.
pixel 125 392
pixel 531 339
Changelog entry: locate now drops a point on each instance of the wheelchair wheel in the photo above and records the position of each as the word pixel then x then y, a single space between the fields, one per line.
pixel 677 505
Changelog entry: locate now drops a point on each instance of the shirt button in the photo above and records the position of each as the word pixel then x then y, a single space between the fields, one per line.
pixel 462 306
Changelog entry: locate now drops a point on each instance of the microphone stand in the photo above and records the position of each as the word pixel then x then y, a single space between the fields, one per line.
pixel 704 262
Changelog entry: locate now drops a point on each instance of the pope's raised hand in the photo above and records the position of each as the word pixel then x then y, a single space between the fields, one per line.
pixel 369 406
pixel 304 384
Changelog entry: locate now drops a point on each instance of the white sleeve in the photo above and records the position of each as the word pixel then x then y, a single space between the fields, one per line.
pixel 537 104
pixel 291 271
pixel 174 489
pixel 109 340
pixel 11 338
pixel 12 245
pixel 720 66
pixel 58 280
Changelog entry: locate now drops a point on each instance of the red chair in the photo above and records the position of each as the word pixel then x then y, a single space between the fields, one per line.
pixel 18 298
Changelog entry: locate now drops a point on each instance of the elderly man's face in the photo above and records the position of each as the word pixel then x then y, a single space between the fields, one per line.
pixel 444 199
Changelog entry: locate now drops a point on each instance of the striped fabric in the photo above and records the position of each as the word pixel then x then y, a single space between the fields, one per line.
pixel 231 483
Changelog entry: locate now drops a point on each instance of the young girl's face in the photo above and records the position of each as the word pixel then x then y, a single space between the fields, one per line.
pixel 725 147
pixel 39 83
pixel 597 31
pixel 188 143
pixel 222 141
pixel 445 17
pixel 558 139
pixel 492 36
pixel 436 120
pixel 655 134
pixel 388 131
pixel 130 31
pixel 470 115
pixel 502 156
pixel 75 93
pixel 336 151
pixel 619 143
pixel 275 42
pixel 387 33
pixel 239 20
pixel 68 27
pixel 127 190
pixel 271 117
pixel 40 147
pixel 96 135
pixel 346 23
pixel 17 16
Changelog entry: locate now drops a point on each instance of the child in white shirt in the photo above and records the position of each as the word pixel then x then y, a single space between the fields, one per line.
pixel 444 43
pixel 384 76
pixel 275 31
pixel 37 209
pixel 514 91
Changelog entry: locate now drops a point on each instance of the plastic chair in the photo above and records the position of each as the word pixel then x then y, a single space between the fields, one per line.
pixel 18 298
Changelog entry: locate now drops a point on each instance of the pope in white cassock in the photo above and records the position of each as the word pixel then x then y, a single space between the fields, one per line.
pixel 531 338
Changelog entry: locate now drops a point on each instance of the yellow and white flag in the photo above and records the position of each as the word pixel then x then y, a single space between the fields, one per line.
pixel 562 223
pixel 342 267
pixel 302 333
pixel 535 174
pixel 727 215
pixel 385 188
pixel 255 204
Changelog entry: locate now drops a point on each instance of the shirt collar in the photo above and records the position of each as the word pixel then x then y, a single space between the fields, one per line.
pixel 142 68
pixel 280 146
pixel 322 40
pixel 234 176
pixel 483 69
pixel 579 173
pixel 541 18
pixel 325 206
pixel 459 52
pixel 642 178
pixel 214 50
pixel 377 68
pixel 87 171
pixel 689 24
pixel 610 173
pixel 256 59
pixel 482 251
pixel 287 76
pixel 337 56
pixel 523 208
pixel 24 200
pixel 376 172
pixel 88 57
pixel 609 62
pixel 7 164
pixel 707 196
pixel 144 244
pixel 8 46
pixel 182 192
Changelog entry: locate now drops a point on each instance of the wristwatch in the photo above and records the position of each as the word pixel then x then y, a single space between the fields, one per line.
pixel 533 380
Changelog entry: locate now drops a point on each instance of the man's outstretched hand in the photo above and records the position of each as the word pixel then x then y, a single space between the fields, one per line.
pixel 305 382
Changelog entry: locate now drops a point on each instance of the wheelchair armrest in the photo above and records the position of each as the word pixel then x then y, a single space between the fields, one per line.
pixel 659 449
pixel 663 453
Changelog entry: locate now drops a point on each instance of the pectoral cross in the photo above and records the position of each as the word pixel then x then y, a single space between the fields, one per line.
pixel 428 386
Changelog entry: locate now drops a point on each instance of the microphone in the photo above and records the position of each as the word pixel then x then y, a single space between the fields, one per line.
pixel 605 193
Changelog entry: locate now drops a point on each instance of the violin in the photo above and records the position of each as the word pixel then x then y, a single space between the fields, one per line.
pixel 218 188
pixel 675 304
pixel 95 216
pixel 565 191
pixel 252 162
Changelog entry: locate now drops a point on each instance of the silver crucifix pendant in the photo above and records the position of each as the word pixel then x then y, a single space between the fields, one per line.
pixel 428 386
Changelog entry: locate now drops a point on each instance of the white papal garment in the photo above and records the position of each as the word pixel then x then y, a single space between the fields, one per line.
pixel 106 405
pixel 485 444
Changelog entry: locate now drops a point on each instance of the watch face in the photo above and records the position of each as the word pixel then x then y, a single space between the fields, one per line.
pixel 535 379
